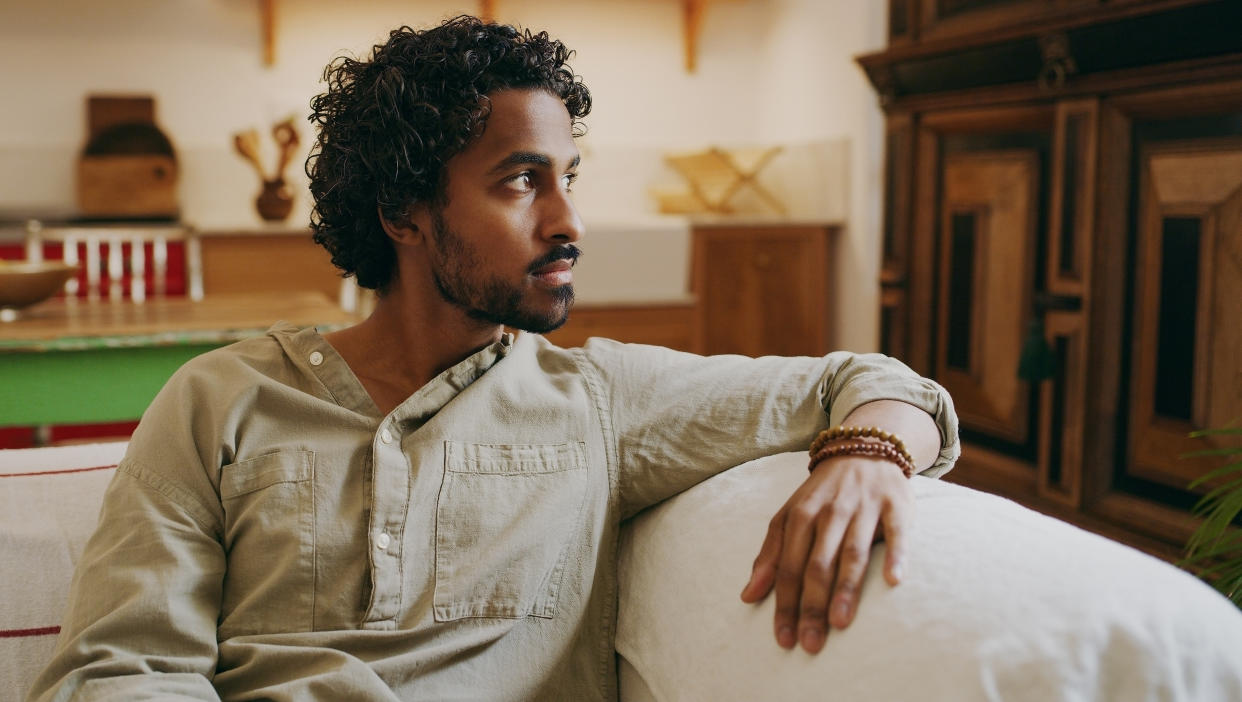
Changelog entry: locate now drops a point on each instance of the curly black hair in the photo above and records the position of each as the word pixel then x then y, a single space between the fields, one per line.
pixel 387 126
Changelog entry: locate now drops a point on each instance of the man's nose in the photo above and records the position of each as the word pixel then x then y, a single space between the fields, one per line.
pixel 561 222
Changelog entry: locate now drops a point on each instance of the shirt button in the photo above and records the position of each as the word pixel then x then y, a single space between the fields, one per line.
pixel 386 436
pixel 316 358
pixel 382 541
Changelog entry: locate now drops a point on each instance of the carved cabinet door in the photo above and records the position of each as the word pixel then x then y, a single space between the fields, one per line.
pixel 975 264
pixel 988 219
pixel 1186 343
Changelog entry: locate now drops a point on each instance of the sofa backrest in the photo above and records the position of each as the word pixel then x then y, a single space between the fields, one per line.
pixel 49 505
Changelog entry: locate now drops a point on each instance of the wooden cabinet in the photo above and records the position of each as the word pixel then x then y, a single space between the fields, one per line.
pixel 1070 170
pixel 266 261
pixel 671 324
pixel 763 289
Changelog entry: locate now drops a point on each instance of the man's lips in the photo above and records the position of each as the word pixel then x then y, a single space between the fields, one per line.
pixel 559 272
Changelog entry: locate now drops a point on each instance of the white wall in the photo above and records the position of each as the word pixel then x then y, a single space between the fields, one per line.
pixel 202 59
pixel 768 71
pixel 813 90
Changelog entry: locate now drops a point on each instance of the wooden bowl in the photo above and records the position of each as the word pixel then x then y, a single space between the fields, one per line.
pixel 23 283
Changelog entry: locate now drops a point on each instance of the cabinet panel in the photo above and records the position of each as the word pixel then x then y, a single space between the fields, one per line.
pixel 764 290
pixel 241 262
pixel 987 241
pixel 1072 202
pixel 1062 425
pixel 1187 354
pixel 672 325
pixel 898 196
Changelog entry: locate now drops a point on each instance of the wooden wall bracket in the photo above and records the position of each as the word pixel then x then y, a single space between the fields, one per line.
pixel 267 18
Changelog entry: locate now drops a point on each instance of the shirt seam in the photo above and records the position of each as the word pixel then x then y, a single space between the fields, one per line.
pixel 181 498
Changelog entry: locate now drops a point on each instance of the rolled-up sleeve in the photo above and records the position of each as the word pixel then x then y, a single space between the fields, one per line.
pixel 678 418
pixel 863 378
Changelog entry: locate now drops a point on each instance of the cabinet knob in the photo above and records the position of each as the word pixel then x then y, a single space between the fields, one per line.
pixel 763 260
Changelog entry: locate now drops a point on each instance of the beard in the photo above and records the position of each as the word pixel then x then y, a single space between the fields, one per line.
pixel 459 281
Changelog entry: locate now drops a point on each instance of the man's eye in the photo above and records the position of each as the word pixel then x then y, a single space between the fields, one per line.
pixel 522 182
pixel 568 179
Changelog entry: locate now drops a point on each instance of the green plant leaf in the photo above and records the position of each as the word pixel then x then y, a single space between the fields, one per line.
pixel 1218 516
pixel 1228 451
pixel 1209 554
pixel 1223 568
pixel 1212 547
pixel 1215 547
pixel 1217 473
pixel 1215 432
pixel 1217 493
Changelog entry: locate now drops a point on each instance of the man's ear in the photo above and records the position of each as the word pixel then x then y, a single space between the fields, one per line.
pixel 401 232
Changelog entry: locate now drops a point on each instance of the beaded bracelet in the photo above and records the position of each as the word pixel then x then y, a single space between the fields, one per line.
pixel 844 432
pixel 863 448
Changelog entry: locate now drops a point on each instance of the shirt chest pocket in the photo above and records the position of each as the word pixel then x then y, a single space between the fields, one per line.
pixel 505 520
pixel 269 536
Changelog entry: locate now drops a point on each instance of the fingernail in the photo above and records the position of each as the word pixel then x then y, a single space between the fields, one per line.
pixel 841 612
pixel 899 571
pixel 786 637
pixel 811 639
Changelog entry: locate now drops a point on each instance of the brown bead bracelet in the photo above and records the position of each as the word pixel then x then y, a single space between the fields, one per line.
pixel 844 432
pixel 862 448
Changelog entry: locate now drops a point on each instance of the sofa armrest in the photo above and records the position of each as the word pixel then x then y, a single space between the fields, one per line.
pixel 49 505
pixel 998 602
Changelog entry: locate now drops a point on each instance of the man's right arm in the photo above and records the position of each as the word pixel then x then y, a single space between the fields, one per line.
pixel 146 594
pixel 141 620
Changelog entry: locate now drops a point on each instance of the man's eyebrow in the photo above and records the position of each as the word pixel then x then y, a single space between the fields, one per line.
pixel 529 157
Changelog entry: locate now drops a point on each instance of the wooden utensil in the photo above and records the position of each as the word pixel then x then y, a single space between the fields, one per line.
pixel 247 144
pixel 287 140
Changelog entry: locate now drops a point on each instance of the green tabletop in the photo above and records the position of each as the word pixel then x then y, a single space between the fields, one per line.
pixel 74 362
pixel 86 385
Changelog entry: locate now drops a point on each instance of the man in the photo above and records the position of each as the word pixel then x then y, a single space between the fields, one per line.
pixel 422 506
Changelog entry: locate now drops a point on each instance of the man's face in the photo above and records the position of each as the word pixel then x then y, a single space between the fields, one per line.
pixel 502 247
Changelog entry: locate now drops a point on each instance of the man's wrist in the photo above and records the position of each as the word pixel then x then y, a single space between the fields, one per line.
pixel 857 441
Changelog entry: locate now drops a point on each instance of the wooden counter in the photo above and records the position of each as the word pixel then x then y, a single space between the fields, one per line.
pixel 266 260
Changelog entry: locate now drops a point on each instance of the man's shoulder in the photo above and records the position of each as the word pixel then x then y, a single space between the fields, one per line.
pixel 243 361
pixel 596 347
pixel 613 361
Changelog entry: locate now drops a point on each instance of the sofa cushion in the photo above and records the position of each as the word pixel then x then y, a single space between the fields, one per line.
pixel 998 603
pixel 49 505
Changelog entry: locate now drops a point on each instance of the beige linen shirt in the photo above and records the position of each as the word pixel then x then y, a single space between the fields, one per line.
pixel 271 535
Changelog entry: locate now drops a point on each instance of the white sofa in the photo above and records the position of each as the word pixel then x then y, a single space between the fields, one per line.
pixel 999 603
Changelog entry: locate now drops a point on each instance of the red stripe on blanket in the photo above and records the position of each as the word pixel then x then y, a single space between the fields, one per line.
pixel 21 633
pixel 56 472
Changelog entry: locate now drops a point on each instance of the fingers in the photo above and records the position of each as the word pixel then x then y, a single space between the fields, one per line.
pixel 763 572
pixel 799 533
pixel 817 549
pixel 854 556
pixel 896 519
pixel 821 568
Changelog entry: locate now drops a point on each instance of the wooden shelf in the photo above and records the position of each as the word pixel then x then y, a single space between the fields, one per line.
pixel 692 24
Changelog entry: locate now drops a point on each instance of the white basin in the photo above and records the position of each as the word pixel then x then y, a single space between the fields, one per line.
pixel 638 262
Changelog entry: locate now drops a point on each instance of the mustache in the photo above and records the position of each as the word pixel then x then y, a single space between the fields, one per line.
pixel 563 251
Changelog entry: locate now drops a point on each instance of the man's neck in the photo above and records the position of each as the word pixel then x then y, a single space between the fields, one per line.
pixel 408 340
